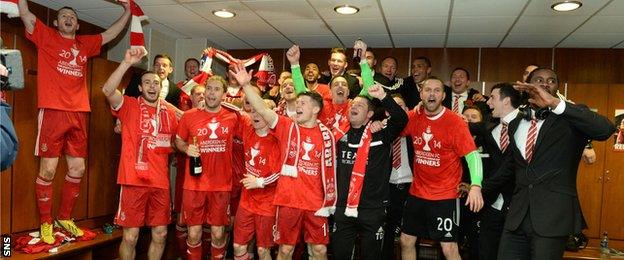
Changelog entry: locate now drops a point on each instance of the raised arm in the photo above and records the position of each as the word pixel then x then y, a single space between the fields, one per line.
pixel 293 55
pixel 110 87
pixel 365 71
pixel 28 18
pixel 255 100
pixel 117 27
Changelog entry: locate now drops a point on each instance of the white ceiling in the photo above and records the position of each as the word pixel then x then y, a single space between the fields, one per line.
pixel 262 24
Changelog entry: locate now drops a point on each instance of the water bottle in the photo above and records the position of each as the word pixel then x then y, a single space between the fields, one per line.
pixel 604 244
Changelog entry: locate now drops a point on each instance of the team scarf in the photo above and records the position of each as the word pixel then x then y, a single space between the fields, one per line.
pixel 359 167
pixel 154 134
pixel 137 39
pixel 9 7
pixel 328 165
pixel 266 72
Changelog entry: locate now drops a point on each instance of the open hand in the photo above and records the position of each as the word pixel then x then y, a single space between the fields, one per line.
pixel 475 199
pixel 538 96
pixel 241 75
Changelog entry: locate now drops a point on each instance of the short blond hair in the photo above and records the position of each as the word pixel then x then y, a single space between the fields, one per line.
pixel 218 79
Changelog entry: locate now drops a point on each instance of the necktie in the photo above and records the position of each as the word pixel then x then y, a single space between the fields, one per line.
pixel 504 138
pixel 396 153
pixel 530 142
pixel 456 104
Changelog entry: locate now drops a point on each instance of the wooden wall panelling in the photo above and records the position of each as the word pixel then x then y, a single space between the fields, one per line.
pixel 508 64
pixel 104 144
pixel 443 61
pixel 617 65
pixel 401 54
pixel 6 175
pixel 583 65
pixel 590 176
pixel 613 205
pixel 318 56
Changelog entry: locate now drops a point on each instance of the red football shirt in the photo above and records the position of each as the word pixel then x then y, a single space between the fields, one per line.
pixel 333 115
pixel 140 153
pixel 262 159
pixel 62 67
pixel 215 133
pixel 324 90
pixel 439 142
pixel 306 191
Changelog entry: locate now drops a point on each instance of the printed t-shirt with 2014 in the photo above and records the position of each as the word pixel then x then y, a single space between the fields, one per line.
pixel 61 66
pixel 215 133
pixel 145 149
pixel 306 190
pixel 439 143
pixel 262 159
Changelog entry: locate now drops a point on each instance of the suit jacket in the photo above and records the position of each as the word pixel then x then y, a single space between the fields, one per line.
pixel 354 84
pixel 546 186
pixel 409 92
pixel 172 97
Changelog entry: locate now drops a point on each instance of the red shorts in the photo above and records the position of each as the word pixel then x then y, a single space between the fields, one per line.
pixel 235 196
pixel 143 206
pixel 247 223
pixel 61 132
pixel 206 207
pixel 290 222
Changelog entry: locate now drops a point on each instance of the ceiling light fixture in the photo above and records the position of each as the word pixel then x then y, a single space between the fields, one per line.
pixel 223 13
pixel 566 6
pixel 346 9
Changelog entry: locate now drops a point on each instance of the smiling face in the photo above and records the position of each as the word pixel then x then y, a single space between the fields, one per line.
pixel 473 115
pixel 340 90
pixel 162 67
pixel 546 79
pixel 66 21
pixel 191 68
pixel 337 63
pixel 306 109
pixel 389 68
pixel 459 81
pixel 496 103
pixel 311 73
pixel 150 87
pixel 197 95
pixel 214 94
pixel 288 90
pixel 432 94
pixel 420 70
pixel 359 114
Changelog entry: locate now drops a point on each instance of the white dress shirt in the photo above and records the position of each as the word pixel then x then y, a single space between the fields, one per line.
pixel 523 128
pixel 404 173
pixel 164 88
pixel 462 97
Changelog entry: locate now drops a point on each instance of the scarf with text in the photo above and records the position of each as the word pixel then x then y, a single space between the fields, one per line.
pixel 155 133
pixel 359 167
pixel 328 165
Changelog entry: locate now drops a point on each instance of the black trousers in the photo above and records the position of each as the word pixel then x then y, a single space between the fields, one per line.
pixel 368 226
pixel 524 243
pixel 394 214
pixel 469 230
pixel 491 228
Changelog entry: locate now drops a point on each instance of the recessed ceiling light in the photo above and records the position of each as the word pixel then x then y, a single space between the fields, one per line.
pixel 223 13
pixel 346 9
pixel 566 6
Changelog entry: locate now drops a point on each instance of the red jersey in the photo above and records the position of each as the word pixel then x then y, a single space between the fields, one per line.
pixel 144 149
pixel 324 90
pixel 439 143
pixel 334 115
pixel 215 133
pixel 236 98
pixel 262 159
pixel 62 67
pixel 306 190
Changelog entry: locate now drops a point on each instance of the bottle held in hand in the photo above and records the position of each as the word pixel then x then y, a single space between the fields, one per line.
pixel 195 162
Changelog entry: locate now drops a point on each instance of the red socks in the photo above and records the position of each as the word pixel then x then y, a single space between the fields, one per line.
pixel 217 252
pixel 181 232
pixel 244 256
pixel 43 193
pixel 71 189
pixel 194 252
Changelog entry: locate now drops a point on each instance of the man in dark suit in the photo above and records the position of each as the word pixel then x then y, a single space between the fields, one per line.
pixel 546 146
pixel 459 95
pixel 493 140
pixel 337 67
pixel 163 66
pixel 410 90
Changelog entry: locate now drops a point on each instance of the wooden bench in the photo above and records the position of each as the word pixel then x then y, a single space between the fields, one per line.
pixel 103 246
pixel 588 253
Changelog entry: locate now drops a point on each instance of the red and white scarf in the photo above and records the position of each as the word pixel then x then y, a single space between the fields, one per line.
pixel 154 133
pixel 328 165
pixel 137 40
pixel 359 168
pixel 9 7
pixel 266 72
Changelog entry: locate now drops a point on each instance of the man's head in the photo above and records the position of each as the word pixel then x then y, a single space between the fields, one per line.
pixel 432 94
pixel 67 21
pixel 311 72
pixel 197 95
pixel 337 61
pixel 421 69
pixel 150 86
pixel 400 101
pixel 545 78
pixel 284 75
pixel 389 67
pixel 163 66
pixel 215 88
pixel 473 114
pixel 340 89
pixel 370 58
pixel 361 111
pixel 308 105
pixel 191 68
pixel 528 70
pixel 460 80
pixel 504 98
pixel 288 90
